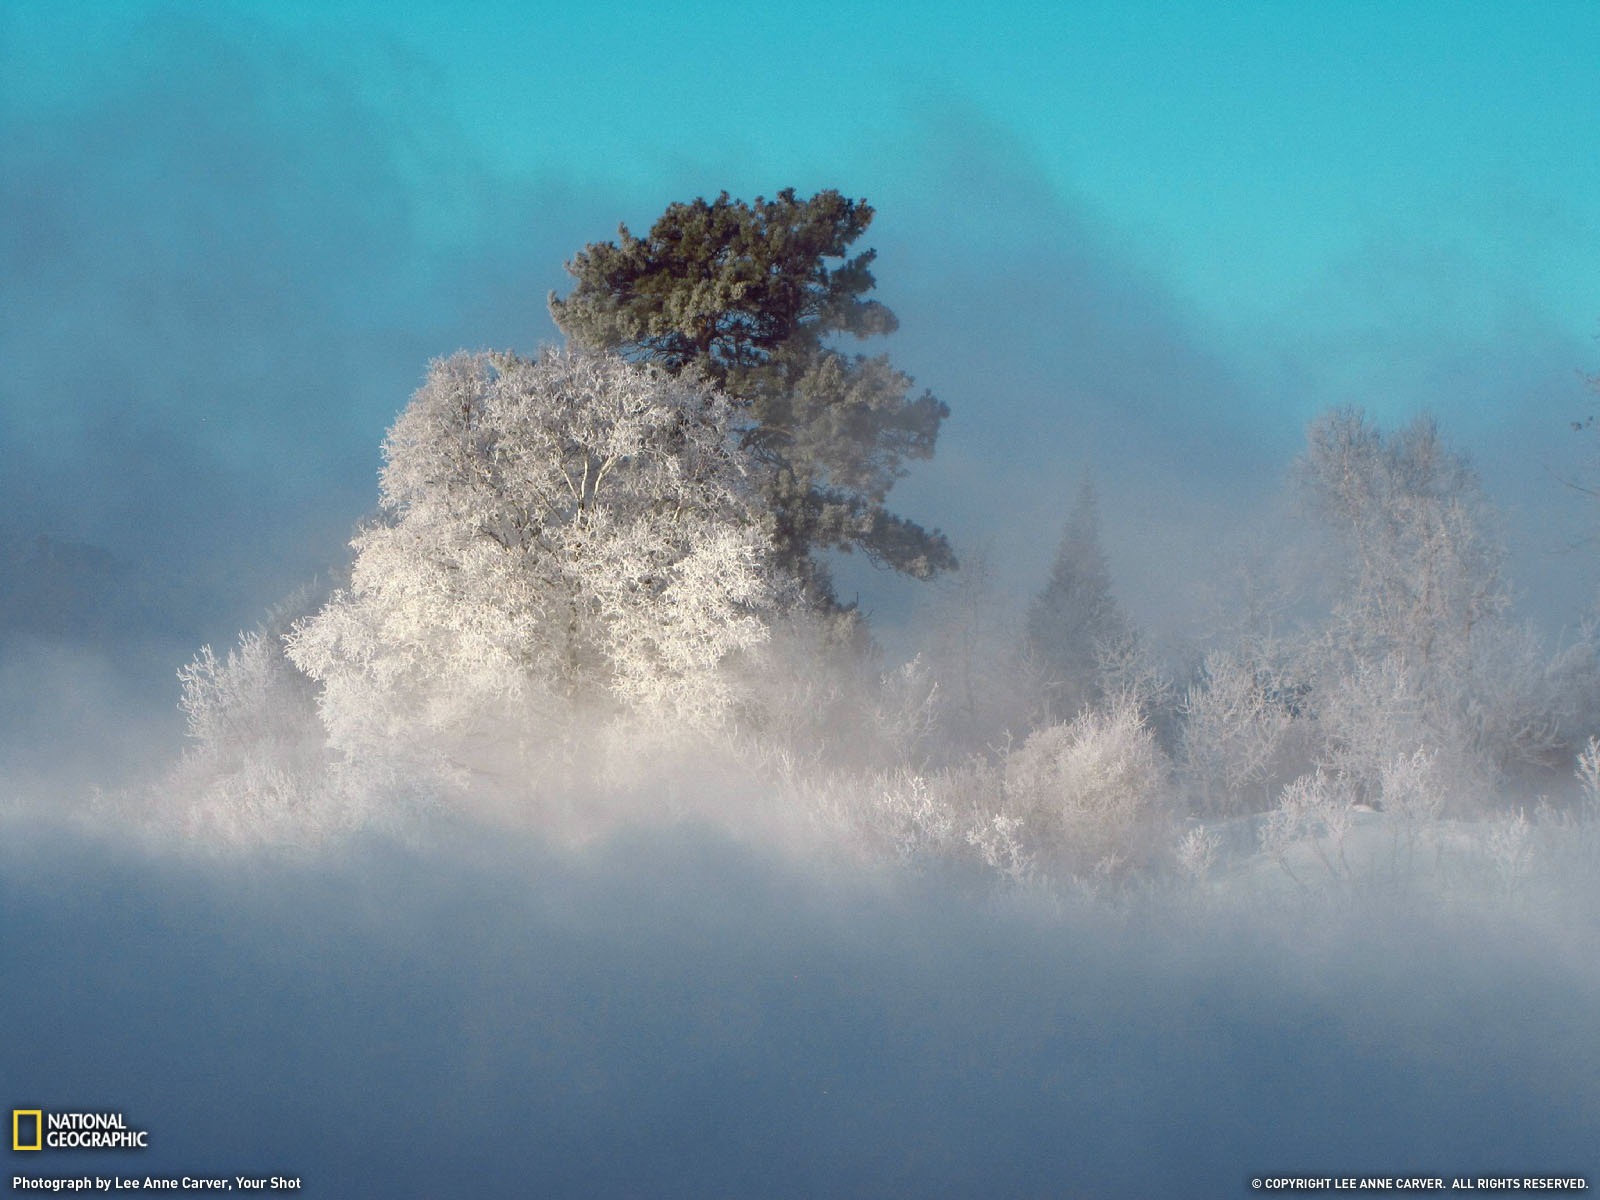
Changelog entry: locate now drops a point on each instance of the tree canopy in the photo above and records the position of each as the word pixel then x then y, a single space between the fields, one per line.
pixel 559 532
pixel 745 296
pixel 1424 567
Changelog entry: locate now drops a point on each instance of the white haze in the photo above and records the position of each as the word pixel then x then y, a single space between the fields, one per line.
pixel 674 1013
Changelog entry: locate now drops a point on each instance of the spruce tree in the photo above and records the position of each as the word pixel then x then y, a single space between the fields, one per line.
pixel 1076 618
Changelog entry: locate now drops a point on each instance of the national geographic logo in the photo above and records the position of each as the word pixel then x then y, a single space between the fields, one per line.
pixel 35 1129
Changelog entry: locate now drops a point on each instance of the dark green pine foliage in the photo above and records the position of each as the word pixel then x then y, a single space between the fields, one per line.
pixel 1076 618
pixel 744 294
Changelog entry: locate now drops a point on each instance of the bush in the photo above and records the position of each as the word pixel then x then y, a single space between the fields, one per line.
pixel 1092 793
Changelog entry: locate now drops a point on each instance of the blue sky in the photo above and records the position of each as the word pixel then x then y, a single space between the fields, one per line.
pixel 1243 154
pixel 1146 240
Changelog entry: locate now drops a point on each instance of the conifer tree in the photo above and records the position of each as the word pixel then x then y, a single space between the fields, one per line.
pixel 743 294
pixel 1076 618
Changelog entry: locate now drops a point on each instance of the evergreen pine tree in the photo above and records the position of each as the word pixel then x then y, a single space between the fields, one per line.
pixel 1076 617
pixel 743 295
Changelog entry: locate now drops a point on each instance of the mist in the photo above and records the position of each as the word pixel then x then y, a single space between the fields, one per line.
pixel 681 1015
pixel 848 938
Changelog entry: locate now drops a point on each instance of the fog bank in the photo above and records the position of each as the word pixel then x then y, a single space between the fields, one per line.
pixel 668 1013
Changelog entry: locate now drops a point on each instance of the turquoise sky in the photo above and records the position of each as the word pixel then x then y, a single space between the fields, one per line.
pixel 1245 154
pixel 1148 239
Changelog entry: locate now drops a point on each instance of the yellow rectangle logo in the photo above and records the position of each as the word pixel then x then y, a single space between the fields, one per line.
pixel 17 1115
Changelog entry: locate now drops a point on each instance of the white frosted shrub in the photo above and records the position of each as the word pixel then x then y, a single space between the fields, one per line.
pixel 999 842
pixel 1380 712
pixel 256 769
pixel 1238 734
pixel 253 697
pixel 1516 702
pixel 1508 843
pixel 906 713
pixel 1413 791
pixel 917 821
pixel 1197 853
pixel 1131 675
pixel 1313 812
pixel 1587 771
pixel 1092 792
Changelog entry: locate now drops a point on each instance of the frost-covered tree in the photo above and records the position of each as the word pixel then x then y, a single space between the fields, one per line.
pixel 1422 566
pixel 558 532
pixel 1418 654
pixel 752 297
pixel 257 767
pixel 1076 619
